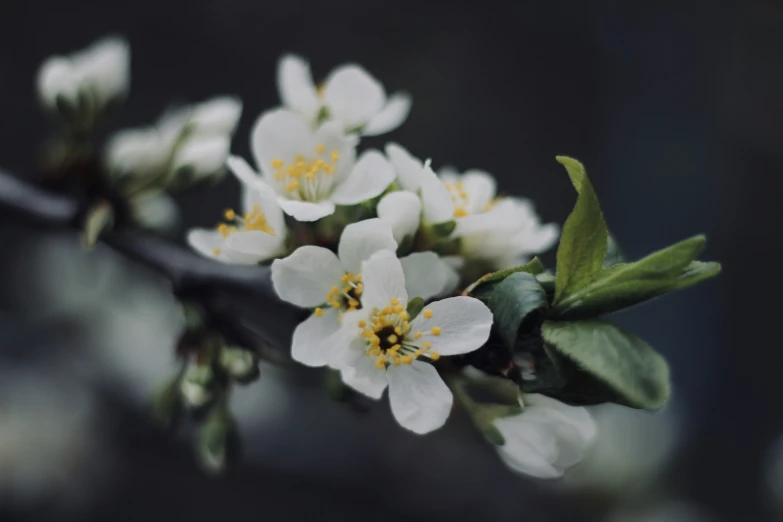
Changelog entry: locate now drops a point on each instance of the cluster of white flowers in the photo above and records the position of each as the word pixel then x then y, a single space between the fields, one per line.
pixel 375 243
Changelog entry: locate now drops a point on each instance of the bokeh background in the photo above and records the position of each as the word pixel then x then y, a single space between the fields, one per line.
pixel 675 108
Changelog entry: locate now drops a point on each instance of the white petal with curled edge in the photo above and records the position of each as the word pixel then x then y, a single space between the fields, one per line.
pixel 205 241
pixel 353 96
pixel 480 188
pixel 218 115
pixel 425 274
pixel 391 116
pixel 420 400
pixel 368 179
pixel 280 134
pixel 435 198
pixel 254 243
pixel 402 210
pixel 407 166
pixel 242 170
pixel 360 372
pixel 305 210
pixel 312 338
pixel 465 323
pixel 306 276
pixel 383 280
pixel 296 87
pixel 359 241
pixel 105 65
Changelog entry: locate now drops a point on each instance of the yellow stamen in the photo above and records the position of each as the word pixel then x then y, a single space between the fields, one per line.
pixel 230 215
pixel 216 251
pixel 427 313
pixel 319 312
pixel 434 356
pixel 436 331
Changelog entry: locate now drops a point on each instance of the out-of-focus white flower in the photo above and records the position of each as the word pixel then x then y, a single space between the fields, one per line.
pixel 349 96
pixel 500 232
pixel 185 146
pixel 256 235
pixel 379 344
pixel 633 450
pixel 86 81
pixel 314 170
pixel 314 276
pixel 547 438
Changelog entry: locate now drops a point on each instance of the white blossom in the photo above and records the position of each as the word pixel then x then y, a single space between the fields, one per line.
pixel 256 234
pixel 185 145
pixel 314 170
pixel 380 345
pixel 501 232
pixel 317 277
pixel 95 76
pixel 547 438
pixel 350 96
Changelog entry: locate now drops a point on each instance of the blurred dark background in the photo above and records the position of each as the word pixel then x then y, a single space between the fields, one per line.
pixel 675 108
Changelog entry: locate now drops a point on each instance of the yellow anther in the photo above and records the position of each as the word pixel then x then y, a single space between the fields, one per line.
pixel 230 215
pixel 460 212
pixel 292 186
pixel 319 312
pixel 404 316
pixel 223 229
pixel 380 363
pixel 216 251
pixel 394 301
pixel 406 359
pixel 395 348
pixel 436 331
pixel 277 164
pixel 320 149
pixel 406 326
pixel 427 313
pixel 398 330
pixel 362 323
pixel 427 344
pixel 353 303
pixel 375 340
pixel 345 278
pixel 328 169
pixel 359 288
pixel 392 338
pixel 399 309
pixel 340 318
pixel 335 155
pixel 417 335
pixel 335 290
pixel 434 356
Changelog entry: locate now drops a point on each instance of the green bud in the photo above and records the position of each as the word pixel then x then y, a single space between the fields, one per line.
pixel 196 386
pixel 240 364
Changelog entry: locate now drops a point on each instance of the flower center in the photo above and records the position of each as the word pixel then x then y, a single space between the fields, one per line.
pixel 253 220
pixel 389 337
pixel 459 197
pixel 346 296
pixel 307 179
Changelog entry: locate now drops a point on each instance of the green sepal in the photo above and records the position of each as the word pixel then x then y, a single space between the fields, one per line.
pixel 444 229
pixel 484 286
pixel 415 306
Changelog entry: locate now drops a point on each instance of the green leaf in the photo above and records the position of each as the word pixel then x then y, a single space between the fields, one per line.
pixel 583 241
pixel 623 362
pixel 614 254
pixel 484 286
pixel 414 307
pixel 512 301
pixel 627 284
pixel 444 229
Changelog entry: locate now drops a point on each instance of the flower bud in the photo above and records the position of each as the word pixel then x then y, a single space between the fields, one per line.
pixel 240 364
pixel 196 385
pixel 218 440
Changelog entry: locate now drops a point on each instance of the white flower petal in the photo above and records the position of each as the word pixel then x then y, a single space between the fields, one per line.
pixel 264 197
pixel 280 134
pixel 254 243
pixel 305 210
pixel 435 198
pixel 577 416
pixel 295 86
pixel 392 116
pixel 339 354
pixel 480 188
pixel 203 156
pixel 402 210
pixel 57 77
pixel 537 238
pixel 420 400
pixel 360 372
pixel 465 323
pixel 449 174
pixel 524 448
pixel 426 275
pixel 383 280
pixel 368 179
pixel 216 116
pixel 137 152
pixel 332 137
pixel 242 170
pixel 205 241
pixel 407 167
pixel 105 66
pixel 359 241
pixel 306 276
pixel 312 338
pixel 353 96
